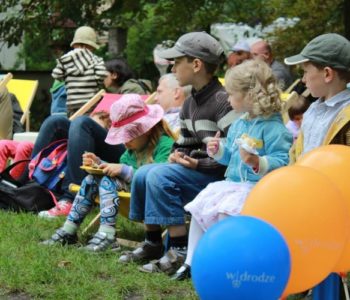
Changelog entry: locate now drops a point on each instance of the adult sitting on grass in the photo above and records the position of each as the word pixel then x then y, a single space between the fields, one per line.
pixel 147 139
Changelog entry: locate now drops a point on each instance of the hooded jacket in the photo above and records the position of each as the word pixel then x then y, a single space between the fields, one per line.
pixel 273 142
pixel 83 74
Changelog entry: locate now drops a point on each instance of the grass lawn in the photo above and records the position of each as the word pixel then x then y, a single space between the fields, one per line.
pixel 32 271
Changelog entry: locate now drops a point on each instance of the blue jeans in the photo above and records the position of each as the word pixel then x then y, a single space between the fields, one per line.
pixel 160 191
pixel 83 134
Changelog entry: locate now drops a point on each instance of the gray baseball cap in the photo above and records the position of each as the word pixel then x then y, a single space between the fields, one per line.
pixel 330 49
pixel 195 44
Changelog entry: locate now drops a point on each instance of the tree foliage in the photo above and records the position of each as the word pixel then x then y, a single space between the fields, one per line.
pixel 49 23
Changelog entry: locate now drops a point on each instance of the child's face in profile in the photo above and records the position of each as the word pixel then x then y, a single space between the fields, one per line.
pixel 138 144
pixel 237 101
pixel 183 70
pixel 314 80
pixel 297 119
pixel 109 79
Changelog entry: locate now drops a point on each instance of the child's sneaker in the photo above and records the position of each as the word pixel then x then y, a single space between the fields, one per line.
pixel 100 242
pixel 61 209
pixel 61 237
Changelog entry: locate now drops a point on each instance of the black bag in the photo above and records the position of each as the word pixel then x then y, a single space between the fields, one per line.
pixel 29 197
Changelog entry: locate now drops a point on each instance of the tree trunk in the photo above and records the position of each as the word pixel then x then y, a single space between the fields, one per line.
pixel 117 41
pixel 346 11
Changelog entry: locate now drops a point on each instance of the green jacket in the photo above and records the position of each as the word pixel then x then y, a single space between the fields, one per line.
pixel 160 154
pixel 133 86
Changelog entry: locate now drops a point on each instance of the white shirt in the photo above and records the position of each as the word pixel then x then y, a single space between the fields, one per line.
pixel 319 117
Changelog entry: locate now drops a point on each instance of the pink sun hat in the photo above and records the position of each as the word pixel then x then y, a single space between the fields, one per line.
pixel 131 117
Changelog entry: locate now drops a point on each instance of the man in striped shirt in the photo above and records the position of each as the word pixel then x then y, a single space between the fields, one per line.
pixel 82 71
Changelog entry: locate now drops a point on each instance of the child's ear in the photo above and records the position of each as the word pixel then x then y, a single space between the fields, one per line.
pixel 329 74
pixel 197 65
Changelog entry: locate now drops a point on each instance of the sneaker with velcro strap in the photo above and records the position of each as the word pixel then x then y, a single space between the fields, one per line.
pixel 100 243
pixel 61 237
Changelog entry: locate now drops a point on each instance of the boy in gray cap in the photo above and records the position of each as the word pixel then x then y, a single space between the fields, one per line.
pixel 160 191
pixel 326 64
pixel 82 71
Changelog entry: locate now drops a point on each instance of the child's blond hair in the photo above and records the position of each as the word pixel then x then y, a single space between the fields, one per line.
pixel 146 156
pixel 254 79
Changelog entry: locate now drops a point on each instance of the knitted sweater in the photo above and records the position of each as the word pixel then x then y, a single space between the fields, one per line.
pixel 203 114
pixel 83 73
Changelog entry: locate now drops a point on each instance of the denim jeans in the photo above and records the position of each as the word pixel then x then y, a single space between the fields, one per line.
pixel 83 134
pixel 160 191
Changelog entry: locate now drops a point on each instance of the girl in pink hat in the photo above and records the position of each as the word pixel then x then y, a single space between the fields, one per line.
pixel 147 139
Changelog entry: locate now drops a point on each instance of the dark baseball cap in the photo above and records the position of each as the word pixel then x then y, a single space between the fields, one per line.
pixel 330 49
pixel 195 44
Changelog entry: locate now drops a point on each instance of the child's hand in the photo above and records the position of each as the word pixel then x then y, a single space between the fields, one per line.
pixel 182 159
pixel 249 159
pixel 111 170
pixel 90 160
pixel 188 162
pixel 175 156
pixel 213 144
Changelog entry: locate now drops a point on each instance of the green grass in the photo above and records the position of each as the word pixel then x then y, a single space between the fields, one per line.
pixel 29 270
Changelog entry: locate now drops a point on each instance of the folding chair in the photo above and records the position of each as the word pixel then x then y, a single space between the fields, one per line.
pixel 5 80
pixel 31 136
pixel 24 90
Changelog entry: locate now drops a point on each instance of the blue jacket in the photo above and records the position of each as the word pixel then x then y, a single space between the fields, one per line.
pixel 273 140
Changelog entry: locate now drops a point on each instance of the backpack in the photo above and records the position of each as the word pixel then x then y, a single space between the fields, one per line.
pixel 48 167
pixel 28 197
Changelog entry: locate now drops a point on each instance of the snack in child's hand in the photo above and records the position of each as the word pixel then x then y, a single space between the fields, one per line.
pixel 95 165
pixel 247 143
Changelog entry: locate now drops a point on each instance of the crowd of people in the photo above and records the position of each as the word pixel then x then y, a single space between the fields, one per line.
pixel 198 150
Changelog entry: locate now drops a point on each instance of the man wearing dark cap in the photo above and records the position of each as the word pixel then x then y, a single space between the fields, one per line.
pixel 159 191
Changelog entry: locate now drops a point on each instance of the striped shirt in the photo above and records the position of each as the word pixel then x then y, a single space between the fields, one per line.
pixel 83 74
pixel 203 114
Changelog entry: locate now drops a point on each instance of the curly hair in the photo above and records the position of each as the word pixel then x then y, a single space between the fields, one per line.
pixel 254 79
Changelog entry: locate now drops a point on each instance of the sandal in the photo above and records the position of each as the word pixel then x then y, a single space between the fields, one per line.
pixel 100 242
pixel 168 264
pixel 146 252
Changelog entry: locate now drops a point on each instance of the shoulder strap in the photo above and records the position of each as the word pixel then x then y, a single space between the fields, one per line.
pixel 144 86
pixel 296 149
pixel 340 121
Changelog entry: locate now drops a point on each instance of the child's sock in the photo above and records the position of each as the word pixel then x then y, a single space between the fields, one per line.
pixel 109 230
pixel 70 227
pixel 179 242
pixel 195 234
pixel 154 237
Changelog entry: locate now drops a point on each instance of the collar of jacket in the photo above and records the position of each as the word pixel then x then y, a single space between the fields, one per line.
pixel 207 91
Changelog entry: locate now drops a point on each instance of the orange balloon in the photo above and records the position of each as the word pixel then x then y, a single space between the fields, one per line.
pixel 307 209
pixel 334 162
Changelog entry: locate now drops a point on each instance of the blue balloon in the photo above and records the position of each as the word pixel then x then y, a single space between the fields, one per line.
pixel 241 258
